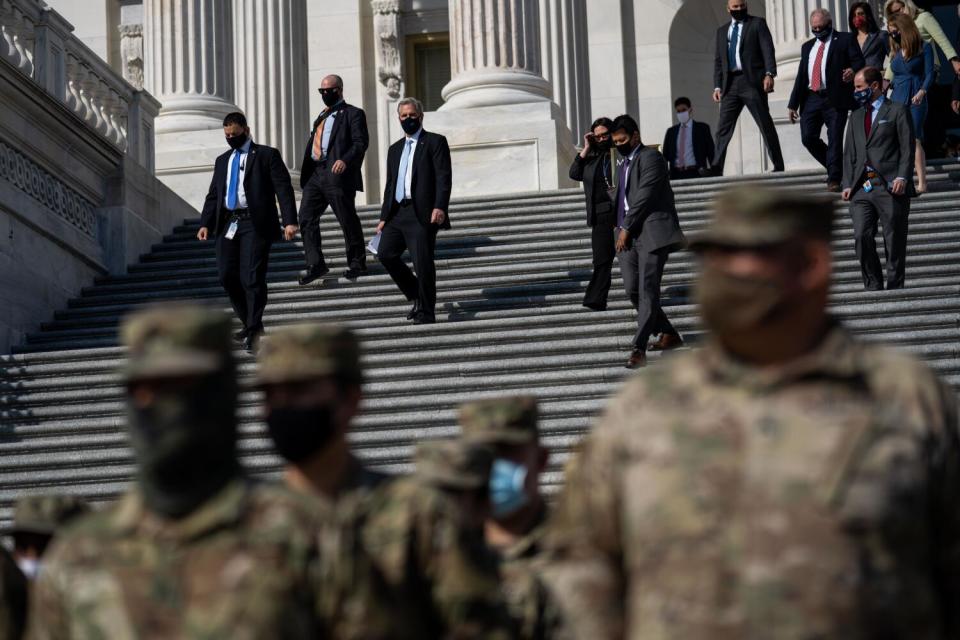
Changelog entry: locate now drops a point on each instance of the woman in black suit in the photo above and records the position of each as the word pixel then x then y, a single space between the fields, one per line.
pixel 595 168
pixel 873 44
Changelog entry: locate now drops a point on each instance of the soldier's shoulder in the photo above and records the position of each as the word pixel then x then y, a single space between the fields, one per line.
pixel 274 505
pixel 900 378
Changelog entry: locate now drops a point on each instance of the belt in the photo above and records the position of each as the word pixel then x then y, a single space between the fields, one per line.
pixel 822 93
pixel 406 202
pixel 736 73
pixel 692 167
pixel 239 214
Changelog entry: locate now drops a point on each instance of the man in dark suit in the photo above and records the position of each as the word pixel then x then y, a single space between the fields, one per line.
pixel 240 211
pixel 648 232
pixel 688 145
pixel 331 176
pixel 878 158
pixel 823 92
pixel 744 67
pixel 416 198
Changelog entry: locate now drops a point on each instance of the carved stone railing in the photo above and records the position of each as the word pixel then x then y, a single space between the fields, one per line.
pixel 40 43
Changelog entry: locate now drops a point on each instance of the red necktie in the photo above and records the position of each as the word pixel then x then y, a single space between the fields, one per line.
pixel 816 81
pixel 867 110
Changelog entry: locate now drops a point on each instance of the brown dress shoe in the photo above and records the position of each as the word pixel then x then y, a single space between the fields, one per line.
pixel 833 186
pixel 666 342
pixel 637 359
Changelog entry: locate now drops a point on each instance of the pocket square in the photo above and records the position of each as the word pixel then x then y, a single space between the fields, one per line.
pixel 882 121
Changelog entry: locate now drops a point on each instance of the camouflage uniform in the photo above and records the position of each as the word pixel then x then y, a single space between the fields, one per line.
pixel 45 514
pixel 412 568
pixel 816 499
pixel 244 564
pixel 512 420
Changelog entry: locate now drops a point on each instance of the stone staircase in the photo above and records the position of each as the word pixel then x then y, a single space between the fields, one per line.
pixel 511 274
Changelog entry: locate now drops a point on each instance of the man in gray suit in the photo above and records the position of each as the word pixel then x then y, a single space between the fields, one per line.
pixel 878 178
pixel 648 231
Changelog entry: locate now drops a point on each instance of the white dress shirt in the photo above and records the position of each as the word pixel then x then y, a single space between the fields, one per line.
pixel 823 63
pixel 408 179
pixel 241 155
pixel 685 155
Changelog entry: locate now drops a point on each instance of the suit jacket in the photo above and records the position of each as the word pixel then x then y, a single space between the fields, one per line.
pixel 265 181
pixel 844 53
pixel 702 144
pixel 431 182
pixel 652 215
pixel 757 55
pixel 587 171
pixel 875 49
pixel 348 142
pixel 889 149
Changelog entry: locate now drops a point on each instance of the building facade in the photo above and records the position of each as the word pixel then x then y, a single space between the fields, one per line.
pixel 513 84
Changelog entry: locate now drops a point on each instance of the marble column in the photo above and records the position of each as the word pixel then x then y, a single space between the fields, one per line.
pixel 270 72
pixel 495 54
pixel 188 51
pixel 563 52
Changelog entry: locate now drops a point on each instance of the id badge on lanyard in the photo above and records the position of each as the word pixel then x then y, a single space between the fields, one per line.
pixel 231 230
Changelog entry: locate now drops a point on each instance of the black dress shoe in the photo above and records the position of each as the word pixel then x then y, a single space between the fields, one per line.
pixel 313 273
pixel 414 310
pixel 596 306
pixel 355 271
pixel 424 318
pixel 252 342
pixel 240 335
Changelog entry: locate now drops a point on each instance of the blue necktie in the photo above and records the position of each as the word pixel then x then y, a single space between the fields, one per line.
pixel 732 47
pixel 234 180
pixel 622 193
pixel 401 191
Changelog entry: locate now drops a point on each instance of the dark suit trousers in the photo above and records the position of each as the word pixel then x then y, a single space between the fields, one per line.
pixel 741 94
pixel 892 212
pixel 817 111
pixel 242 267
pixel 642 272
pixel 683 174
pixel 603 243
pixel 323 189
pixel 405 231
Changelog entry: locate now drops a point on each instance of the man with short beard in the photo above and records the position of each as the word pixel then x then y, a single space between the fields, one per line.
pixel 787 480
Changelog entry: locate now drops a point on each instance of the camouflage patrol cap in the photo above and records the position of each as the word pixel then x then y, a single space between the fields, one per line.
pixel 176 340
pixel 454 464
pixel 307 351
pixel 44 514
pixel 752 216
pixel 507 420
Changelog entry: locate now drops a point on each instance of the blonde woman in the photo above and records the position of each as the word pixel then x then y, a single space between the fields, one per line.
pixel 928 27
pixel 911 61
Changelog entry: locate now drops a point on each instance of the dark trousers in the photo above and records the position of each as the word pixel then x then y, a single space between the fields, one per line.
pixel 684 174
pixel 602 242
pixel 817 111
pixel 892 212
pixel 405 231
pixel 242 267
pixel 740 94
pixel 642 272
pixel 325 189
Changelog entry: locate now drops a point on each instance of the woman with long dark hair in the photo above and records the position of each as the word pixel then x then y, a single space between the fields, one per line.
pixel 873 44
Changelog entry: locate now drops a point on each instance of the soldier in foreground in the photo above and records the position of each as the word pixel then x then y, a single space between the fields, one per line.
pixel 516 526
pixel 786 481
pixel 194 549
pixel 416 567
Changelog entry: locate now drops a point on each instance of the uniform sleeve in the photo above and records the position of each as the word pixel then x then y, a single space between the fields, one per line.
pixel 47 619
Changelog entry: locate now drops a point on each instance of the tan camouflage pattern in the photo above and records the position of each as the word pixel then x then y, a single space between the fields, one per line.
pixel 817 500
pixel 507 420
pixel 46 513
pixel 306 351
pixel 453 464
pixel 172 340
pixel 751 215
pixel 245 565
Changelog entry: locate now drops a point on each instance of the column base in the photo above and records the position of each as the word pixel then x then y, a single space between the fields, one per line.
pixel 191 113
pixel 505 149
pixel 490 88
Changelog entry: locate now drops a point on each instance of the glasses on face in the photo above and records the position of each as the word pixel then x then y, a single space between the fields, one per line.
pixel 327 92
pixel 602 136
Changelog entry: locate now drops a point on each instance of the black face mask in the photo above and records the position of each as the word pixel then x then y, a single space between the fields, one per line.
pixel 896 36
pixel 604 145
pixel 330 98
pixel 184 443
pixel 626 148
pixel 298 432
pixel 237 141
pixel 822 34
pixel 738 14
pixel 410 125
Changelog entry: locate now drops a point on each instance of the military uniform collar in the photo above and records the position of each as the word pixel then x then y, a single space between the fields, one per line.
pixel 836 356
pixel 530 544
pixel 223 509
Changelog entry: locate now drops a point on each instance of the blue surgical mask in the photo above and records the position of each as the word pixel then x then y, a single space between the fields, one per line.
pixel 863 96
pixel 507 482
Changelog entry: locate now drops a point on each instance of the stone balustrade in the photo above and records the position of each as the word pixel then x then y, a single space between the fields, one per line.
pixel 39 42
